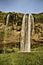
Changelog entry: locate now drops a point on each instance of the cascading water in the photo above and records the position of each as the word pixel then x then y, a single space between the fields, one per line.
pixel 26 33
pixel 6 27
pixel 29 31
pixel 7 19
pixel 22 34
pixel 5 31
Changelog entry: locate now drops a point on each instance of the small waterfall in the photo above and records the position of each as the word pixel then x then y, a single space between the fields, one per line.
pixel 6 27
pixel 26 33
pixel 5 31
pixel 7 19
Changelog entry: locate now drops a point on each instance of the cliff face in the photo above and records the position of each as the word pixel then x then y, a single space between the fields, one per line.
pixel 13 35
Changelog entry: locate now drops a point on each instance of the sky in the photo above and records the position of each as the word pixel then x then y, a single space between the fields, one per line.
pixel 23 6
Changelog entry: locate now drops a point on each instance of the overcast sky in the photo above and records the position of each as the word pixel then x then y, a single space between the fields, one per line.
pixel 25 6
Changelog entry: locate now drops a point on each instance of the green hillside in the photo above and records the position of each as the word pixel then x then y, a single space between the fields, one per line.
pixel 4 14
pixel 38 18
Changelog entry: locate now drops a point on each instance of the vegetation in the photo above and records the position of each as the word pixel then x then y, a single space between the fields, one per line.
pixel 1 35
pixel 2 16
pixel 38 48
pixel 32 58
pixel 38 17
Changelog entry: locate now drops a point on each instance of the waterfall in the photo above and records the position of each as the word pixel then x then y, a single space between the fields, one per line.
pixel 7 19
pixel 6 28
pixel 5 31
pixel 22 34
pixel 26 33
pixel 29 31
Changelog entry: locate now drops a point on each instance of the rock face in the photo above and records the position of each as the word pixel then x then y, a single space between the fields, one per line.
pixel 12 34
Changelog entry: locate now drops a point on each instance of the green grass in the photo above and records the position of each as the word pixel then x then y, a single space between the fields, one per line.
pixel 19 58
pixel 32 58
pixel 39 48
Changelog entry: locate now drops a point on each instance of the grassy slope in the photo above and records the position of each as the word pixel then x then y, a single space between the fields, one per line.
pixel 32 58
